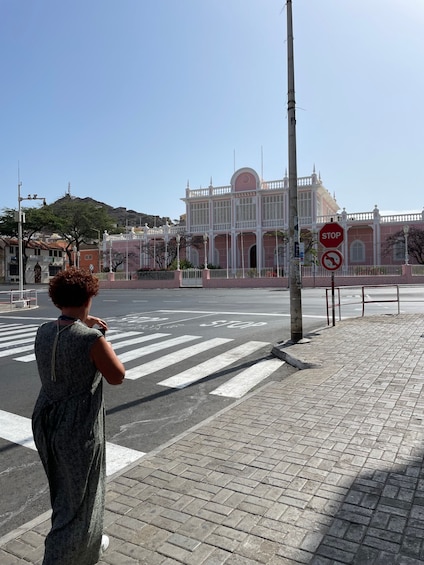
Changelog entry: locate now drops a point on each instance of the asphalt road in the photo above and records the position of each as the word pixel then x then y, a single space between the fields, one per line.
pixel 189 353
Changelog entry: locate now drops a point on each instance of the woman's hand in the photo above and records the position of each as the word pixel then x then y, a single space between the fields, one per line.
pixel 92 321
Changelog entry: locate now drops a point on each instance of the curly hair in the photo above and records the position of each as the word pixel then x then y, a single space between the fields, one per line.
pixel 73 287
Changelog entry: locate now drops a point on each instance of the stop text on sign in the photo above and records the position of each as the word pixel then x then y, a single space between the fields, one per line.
pixel 332 235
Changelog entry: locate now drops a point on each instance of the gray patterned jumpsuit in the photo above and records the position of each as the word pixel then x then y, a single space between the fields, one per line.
pixel 68 427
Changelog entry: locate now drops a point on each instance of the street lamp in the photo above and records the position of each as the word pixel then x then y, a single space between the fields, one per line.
pixel 98 247
pixel 178 240
pixel 76 256
pixel 406 231
pixel 21 220
pixel 277 253
pixel 110 255
pixel 205 242
pixel 126 249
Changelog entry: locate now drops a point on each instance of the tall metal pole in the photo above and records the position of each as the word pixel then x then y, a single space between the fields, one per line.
pixel 295 281
pixel 20 258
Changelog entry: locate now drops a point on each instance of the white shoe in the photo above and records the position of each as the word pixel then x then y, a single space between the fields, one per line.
pixel 105 543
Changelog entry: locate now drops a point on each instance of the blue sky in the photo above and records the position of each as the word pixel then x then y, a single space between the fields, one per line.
pixel 128 100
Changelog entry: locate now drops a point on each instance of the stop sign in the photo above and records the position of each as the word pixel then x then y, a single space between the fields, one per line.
pixel 331 235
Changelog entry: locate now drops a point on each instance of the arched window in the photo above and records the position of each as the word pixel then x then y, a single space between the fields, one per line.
pixel 194 257
pixel 399 249
pixel 357 252
pixel 252 257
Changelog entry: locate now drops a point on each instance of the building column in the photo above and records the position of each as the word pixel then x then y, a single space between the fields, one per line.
pixel 376 237
pixel 233 251
pixel 259 254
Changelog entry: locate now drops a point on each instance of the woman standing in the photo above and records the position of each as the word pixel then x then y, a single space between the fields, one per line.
pixel 69 418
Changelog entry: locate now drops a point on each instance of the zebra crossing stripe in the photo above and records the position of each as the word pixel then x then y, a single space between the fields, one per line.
pixel 18 328
pixel 118 345
pixel 8 327
pixel 211 366
pixel 22 334
pixel 136 340
pixel 17 429
pixel 173 358
pixel 31 356
pixel 16 350
pixel 239 385
pixel 141 351
pixel 20 341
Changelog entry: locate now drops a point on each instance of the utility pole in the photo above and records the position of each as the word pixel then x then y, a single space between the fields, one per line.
pixel 295 277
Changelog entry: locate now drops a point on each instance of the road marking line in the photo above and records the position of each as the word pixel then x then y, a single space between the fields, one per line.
pixel 27 336
pixel 135 340
pixel 13 327
pixel 20 341
pixel 213 365
pixel 219 313
pixel 239 385
pixel 281 315
pixel 142 351
pixel 15 350
pixel 173 358
pixel 17 429
pixel 31 356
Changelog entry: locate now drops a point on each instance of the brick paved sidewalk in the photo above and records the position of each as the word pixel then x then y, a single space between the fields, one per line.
pixel 324 467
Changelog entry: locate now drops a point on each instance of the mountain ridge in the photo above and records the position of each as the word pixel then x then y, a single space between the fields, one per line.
pixel 122 215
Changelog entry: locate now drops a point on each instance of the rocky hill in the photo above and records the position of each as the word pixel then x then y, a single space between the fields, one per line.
pixel 123 215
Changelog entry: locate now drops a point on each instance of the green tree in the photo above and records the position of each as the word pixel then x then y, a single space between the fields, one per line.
pixel 77 221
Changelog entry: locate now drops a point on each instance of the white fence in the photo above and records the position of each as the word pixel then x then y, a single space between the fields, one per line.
pixel 10 299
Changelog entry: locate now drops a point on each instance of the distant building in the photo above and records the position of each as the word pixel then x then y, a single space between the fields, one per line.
pixel 43 260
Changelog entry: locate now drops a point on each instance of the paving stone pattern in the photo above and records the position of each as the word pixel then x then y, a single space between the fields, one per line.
pixel 323 467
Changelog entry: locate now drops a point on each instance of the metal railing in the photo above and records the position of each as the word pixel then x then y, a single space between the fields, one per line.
pixel 11 299
pixel 346 295
pixel 314 271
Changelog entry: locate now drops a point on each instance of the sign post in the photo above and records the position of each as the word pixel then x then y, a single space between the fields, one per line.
pixel 331 235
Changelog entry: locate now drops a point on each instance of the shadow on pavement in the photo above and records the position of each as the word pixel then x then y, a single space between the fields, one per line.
pixel 380 520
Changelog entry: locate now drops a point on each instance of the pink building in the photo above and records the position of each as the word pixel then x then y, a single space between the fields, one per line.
pixel 244 226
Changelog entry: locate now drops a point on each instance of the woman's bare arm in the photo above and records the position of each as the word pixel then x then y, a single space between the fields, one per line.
pixel 107 362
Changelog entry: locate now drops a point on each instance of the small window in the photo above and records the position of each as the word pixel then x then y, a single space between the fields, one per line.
pixel 53 270
pixel 88 257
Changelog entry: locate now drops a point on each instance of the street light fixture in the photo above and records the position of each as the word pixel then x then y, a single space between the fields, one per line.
pixel 110 255
pixel 205 242
pixel 21 220
pixel 178 240
pixel 76 256
pixel 406 232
